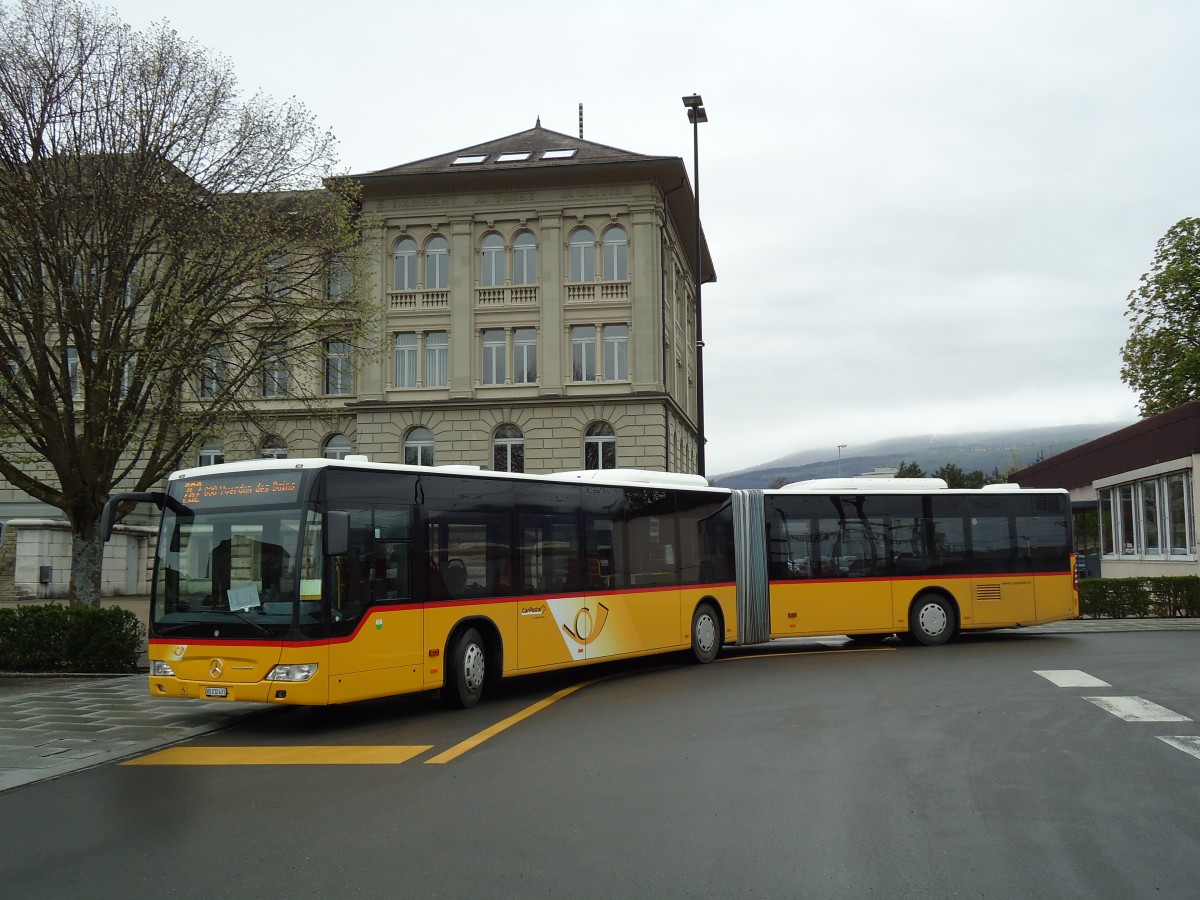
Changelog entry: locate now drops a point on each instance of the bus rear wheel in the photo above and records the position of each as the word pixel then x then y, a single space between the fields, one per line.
pixel 468 671
pixel 706 633
pixel 932 620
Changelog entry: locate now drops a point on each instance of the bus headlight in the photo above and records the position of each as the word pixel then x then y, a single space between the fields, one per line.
pixel 301 672
pixel 158 667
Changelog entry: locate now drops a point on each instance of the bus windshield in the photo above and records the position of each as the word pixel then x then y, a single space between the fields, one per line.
pixel 250 573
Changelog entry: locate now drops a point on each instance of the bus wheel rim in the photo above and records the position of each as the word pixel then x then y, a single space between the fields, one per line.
pixel 706 633
pixel 473 668
pixel 933 619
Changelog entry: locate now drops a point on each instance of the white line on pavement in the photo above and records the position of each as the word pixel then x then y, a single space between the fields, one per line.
pixel 1186 744
pixel 1135 709
pixel 1070 678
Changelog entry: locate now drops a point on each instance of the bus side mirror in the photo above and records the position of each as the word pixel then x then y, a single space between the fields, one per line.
pixel 337 532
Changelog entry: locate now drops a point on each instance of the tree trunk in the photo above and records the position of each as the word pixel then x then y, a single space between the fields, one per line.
pixel 87 557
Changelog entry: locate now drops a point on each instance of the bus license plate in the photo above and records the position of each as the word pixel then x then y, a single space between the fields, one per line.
pixel 216 692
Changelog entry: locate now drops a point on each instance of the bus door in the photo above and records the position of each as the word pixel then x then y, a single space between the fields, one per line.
pixel 375 625
pixel 554 622
pixel 1003 587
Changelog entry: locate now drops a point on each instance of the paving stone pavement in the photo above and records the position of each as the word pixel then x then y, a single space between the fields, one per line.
pixel 50 726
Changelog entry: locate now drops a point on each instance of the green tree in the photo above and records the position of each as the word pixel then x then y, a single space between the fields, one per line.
pixel 162 240
pixel 1161 358
pixel 909 470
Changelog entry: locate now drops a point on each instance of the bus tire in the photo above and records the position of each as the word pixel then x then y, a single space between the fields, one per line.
pixel 468 671
pixel 932 620
pixel 706 633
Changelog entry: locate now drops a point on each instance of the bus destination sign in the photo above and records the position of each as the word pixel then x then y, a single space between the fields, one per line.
pixel 238 490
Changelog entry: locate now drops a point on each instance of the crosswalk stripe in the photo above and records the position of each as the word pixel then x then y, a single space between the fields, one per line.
pixel 1070 678
pixel 1186 744
pixel 1136 709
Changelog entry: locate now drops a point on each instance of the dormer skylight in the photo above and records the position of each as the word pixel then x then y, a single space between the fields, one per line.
pixel 559 154
pixel 470 160
pixel 517 156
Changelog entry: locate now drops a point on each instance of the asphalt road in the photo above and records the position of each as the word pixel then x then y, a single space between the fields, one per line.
pixel 807 770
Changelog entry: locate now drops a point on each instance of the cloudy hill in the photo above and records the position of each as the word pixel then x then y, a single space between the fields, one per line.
pixel 986 451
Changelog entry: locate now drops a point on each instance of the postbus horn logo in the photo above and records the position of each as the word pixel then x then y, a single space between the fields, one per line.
pixel 586 629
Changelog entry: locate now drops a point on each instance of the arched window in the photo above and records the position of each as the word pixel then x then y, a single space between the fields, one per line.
pixel 599 446
pixel 491 261
pixel 524 259
pixel 337 447
pixel 583 255
pixel 437 264
pixel 404 259
pixel 418 447
pixel 616 254
pixel 273 447
pixel 508 449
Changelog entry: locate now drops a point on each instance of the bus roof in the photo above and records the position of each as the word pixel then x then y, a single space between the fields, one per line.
pixel 617 477
pixel 865 484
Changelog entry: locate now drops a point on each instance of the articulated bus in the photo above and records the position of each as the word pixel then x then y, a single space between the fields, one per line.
pixel 321 582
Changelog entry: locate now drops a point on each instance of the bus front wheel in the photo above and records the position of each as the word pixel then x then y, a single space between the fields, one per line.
pixel 932 620
pixel 706 633
pixel 468 671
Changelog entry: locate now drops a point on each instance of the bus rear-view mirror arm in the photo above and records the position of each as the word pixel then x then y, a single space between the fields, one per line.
pixel 108 518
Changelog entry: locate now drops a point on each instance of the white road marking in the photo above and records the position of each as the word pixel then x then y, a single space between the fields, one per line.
pixel 1070 678
pixel 1186 744
pixel 1135 709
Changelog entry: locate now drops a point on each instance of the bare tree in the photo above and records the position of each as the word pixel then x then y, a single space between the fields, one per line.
pixel 164 243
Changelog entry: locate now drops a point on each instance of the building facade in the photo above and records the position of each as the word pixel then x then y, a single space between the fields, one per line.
pixel 536 313
pixel 1133 493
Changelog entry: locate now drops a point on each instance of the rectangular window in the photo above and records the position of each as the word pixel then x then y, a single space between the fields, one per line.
pixel 583 262
pixel 1150 511
pixel 525 356
pixel 437 359
pixel 1107 523
pixel 404 374
pixel 1180 531
pixel 212 375
pixel 73 371
pixel 616 352
pixel 583 352
pixel 1128 545
pixel 493 356
pixel 339 370
pixel 275 373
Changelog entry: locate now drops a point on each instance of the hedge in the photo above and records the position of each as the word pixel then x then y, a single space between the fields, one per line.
pixel 1139 598
pixel 55 638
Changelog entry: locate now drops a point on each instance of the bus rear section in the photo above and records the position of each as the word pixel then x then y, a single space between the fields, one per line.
pixel 872 557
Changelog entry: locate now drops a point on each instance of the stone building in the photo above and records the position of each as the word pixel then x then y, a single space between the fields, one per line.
pixel 536 314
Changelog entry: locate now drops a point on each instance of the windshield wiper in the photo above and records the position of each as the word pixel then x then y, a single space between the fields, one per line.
pixel 248 621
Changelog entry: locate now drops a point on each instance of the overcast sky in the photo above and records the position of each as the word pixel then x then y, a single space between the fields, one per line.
pixel 925 215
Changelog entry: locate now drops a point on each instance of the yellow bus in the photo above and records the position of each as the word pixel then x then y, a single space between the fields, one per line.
pixel 323 582
pixel 872 557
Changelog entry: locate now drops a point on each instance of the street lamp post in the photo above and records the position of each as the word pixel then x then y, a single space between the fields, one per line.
pixel 841 447
pixel 696 115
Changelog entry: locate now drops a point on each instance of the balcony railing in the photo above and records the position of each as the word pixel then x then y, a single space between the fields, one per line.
pixel 414 300
pixel 513 295
pixel 598 291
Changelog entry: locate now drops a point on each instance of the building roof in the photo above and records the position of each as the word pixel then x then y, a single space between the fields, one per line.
pixel 1174 434
pixel 541 157
pixel 537 148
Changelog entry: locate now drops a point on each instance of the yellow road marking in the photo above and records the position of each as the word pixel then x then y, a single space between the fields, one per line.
pixel 475 740
pixel 279 756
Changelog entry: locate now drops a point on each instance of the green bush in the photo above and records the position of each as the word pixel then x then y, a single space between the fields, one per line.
pixel 55 638
pixel 1138 598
